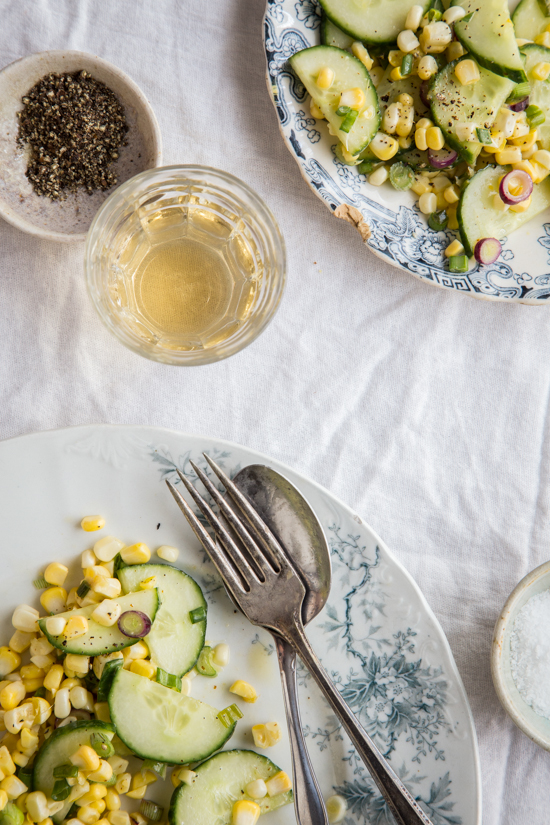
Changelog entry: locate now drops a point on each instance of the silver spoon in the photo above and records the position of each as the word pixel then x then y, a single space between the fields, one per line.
pixel 291 519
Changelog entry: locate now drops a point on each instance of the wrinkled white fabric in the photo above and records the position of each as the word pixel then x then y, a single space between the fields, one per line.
pixel 426 411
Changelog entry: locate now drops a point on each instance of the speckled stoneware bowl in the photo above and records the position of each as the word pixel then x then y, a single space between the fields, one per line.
pixel 67 220
pixel 535 726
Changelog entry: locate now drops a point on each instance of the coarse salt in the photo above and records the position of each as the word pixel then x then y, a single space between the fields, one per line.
pixel 530 653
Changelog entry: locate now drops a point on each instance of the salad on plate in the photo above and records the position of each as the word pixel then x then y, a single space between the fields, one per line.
pixel 448 100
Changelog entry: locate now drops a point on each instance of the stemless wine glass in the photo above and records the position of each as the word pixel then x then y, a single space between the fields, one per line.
pixel 221 225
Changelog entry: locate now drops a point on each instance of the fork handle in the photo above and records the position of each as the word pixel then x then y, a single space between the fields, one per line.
pixel 308 802
pixel 400 802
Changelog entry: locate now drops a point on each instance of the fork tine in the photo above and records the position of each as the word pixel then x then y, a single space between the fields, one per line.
pixel 231 580
pixel 257 557
pixel 269 543
pixel 238 560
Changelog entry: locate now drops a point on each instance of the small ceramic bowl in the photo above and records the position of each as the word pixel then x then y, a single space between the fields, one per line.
pixel 535 726
pixel 69 219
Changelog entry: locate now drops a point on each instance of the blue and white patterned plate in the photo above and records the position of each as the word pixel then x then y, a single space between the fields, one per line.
pixel 377 636
pixel 399 232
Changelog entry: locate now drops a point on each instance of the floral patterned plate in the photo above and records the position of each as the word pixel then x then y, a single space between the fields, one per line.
pixel 389 221
pixel 377 636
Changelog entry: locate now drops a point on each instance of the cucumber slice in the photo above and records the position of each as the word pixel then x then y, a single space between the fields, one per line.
pixel 375 21
pixel 540 89
pixel 220 782
pixel 477 218
pixel 100 640
pixel 331 35
pixel 530 18
pixel 489 36
pixel 388 91
pixel 349 73
pixel 478 104
pixel 158 723
pixel 174 641
pixel 58 749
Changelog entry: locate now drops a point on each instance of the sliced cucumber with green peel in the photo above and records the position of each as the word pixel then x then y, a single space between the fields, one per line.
pixel 158 723
pixel 219 783
pixel 100 640
pixel 539 94
pixel 477 217
pixel 388 91
pixel 530 18
pixel 477 104
pixel 349 73
pixel 57 751
pixel 174 642
pixel 375 21
pixel 331 35
pixel 489 37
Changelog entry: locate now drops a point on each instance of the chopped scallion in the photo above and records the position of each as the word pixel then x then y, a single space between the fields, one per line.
pixel 41 583
pixel 11 815
pixel 61 790
pixel 407 64
pixel 365 167
pixel 40 692
pixel 520 91
pixel 484 135
pixel 205 665
pixel 434 15
pixel 438 221
pixel 349 120
pixel 157 767
pixel 535 116
pixel 401 176
pixel 467 17
pixel 168 679
pixel 458 263
pixel 102 745
pixel 228 716
pixel 63 771
pixel 83 589
pixel 151 810
pixel 343 110
pixel 25 775
pixel 197 615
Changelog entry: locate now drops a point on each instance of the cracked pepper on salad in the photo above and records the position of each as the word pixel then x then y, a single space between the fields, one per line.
pixel 449 100
pixel 96 702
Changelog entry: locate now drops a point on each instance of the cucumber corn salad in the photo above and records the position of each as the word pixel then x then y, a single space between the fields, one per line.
pixel 105 676
pixel 450 101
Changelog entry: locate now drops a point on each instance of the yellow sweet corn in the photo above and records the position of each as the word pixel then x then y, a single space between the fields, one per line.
pixel 122 784
pixel 12 695
pixel 256 789
pixel 325 78
pixel 420 139
pixel 454 50
pixel 77 664
pixel 135 554
pixel 106 548
pixel 118 764
pixel 19 642
pixel 96 792
pixel 434 138
pixel 29 739
pixel 139 793
pixel 396 75
pixel 266 735
pixel 510 154
pixel 245 812
pixel 149 583
pixel 362 54
pixel 119 818
pixel 278 784
pixel 37 806
pixel 6 762
pixel 3 799
pixel 384 146
pixel 25 618
pixel 525 142
pixel 137 651
pixel 13 786
pixel 92 523
pixel 112 800
pixel 102 774
pixel 56 573
pixel 88 815
pixel 244 690
pixel 76 626
pixel 53 678
pixel 143 667
pixel 108 587
pixel 427 67
pixel 9 661
pixel 467 72
pixel 543 39
pixel 541 156
pixel 86 758
pixel 54 599
pixel 395 57
pixel 521 207
pixel 454 248
pixel 354 98
pixel 168 553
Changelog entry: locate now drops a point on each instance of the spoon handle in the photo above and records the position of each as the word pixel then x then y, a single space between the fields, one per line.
pixel 308 802
pixel 400 802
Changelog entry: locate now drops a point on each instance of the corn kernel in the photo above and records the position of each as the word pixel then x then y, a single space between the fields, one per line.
pixel 78 664
pixel 541 172
pixel 20 641
pixel 54 599
pixel 395 57
pixel 149 583
pixel 245 812
pixel 112 800
pixel 92 523
pixel 256 789
pixel 427 67
pixel 244 690
pixel 220 655
pixel 541 156
pixel 454 248
pixel 37 806
pixel 543 39
pixel 523 206
pixel 362 54
pixel 53 678
pixel 467 72
pixel 168 553
pixel 354 98
pixel 118 818
pixel 56 573
pixel 454 50
pixel 76 627
pixel 278 784
pixel 396 75
pixel 391 118
pixel 452 193
pixel 107 547
pixel 13 786
pixel 9 661
pixel 28 739
pixel 122 784
pixel 62 703
pixel 3 800
pixel 420 139
pixel 407 41
pixel 434 138
pixel 99 806
pixel 384 146
pixel 139 793
pixel 88 559
pixel 452 14
pixel 405 142
pixel 12 695
pixel 435 37
pixel 95 793
pixel 325 78
pixel 421 185
pixel 108 587
pixel 107 613
pixel 136 553
pixel 137 651
pixel 511 154
pixel 6 762
pixel 86 758
pixel 498 142
pixel 414 17
pixel 405 122
pixel 25 618
pixel 88 815
pixel 102 774
pixel 143 668
pixel 427 203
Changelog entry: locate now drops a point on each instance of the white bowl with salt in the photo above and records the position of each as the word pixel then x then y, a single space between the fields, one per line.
pixel 520 656
pixel 69 219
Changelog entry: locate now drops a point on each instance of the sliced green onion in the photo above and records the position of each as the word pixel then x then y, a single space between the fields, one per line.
pixel 434 15
pixel 438 221
pixel 407 64
pixel 40 692
pixel 119 564
pixel 401 176
pixel 61 790
pixel 343 110
pixel 205 665
pixel 113 779
pixel 520 91
pixel 110 670
pixel 197 615
pixel 466 18
pixel 63 771
pixel 157 767
pixel 83 589
pixel 535 115
pixel 41 583
pixel 151 810
pixel 365 167
pixel 349 120
pixel 458 263
pixel 102 745
pixel 11 815
pixel 91 682
pixel 168 679
pixel 228 716
pixel 437 4
pixel 25 775
pixel 484 135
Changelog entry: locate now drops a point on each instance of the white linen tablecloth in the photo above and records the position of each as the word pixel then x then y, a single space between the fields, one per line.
pixel 425 411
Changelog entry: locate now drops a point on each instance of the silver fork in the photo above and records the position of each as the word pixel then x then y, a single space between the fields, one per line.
pixel 260 578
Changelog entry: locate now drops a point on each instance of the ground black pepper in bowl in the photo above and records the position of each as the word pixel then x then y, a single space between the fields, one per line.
pixel 74 125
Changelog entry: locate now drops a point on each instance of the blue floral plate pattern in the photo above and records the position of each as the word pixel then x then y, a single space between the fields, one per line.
pixel 377 636
pixel 399 233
